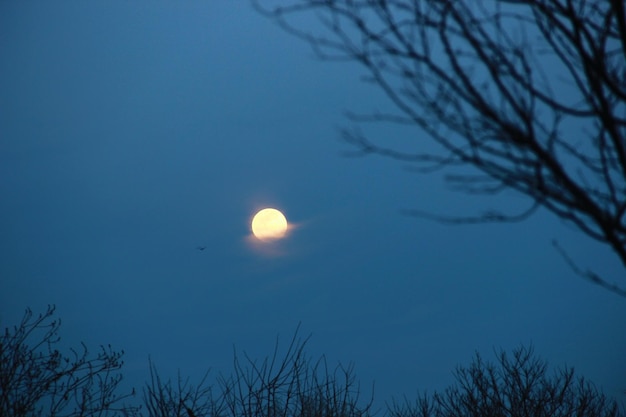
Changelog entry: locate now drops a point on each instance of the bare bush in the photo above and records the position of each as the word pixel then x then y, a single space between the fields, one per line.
pixel 285 384
pixel 36 379
pixel 290 385
pixel 517 386
pixel 179 398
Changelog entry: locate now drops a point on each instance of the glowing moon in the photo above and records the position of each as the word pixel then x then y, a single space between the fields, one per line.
pixel 269 224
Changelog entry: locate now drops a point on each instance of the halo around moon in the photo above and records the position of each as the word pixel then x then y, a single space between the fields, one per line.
pixel 269 224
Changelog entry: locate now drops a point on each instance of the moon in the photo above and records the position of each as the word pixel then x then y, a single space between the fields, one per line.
pixel 269 224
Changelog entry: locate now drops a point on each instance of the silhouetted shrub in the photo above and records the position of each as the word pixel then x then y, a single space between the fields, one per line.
pixel 282 385
pixel 518 386
pixel 38 380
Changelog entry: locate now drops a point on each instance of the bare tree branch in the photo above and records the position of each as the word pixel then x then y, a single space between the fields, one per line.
pixel 38 380
pixel 290 384
pixel 179 398
pixel 529 94
pixel 517 385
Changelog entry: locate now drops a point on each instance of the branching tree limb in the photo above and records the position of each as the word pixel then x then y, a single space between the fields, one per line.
pixel 179 398
pixel 517 385
pixel 281 385
pixel 290 384
pixel 38 380
pixel 528 94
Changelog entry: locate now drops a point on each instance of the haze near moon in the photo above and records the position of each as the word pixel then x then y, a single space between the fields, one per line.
pixel 269 224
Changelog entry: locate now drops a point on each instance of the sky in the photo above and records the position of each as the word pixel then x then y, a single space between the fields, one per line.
pixel 132 133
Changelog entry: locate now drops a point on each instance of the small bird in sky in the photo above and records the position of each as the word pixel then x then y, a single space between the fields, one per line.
pixel 201 248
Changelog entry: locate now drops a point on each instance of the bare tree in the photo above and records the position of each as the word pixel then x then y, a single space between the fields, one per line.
pixel 524 95
pixel 284 384
pixel 179 398
pixel 291 385
pixel 517 387
pixel 36 379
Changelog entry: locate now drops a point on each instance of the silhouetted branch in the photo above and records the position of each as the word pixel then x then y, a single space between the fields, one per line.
pixel 529 94
pixel 289 384
pixel 590 275
pixel 37 379
pixel 179 398
pixel 486 217
pixel 515 386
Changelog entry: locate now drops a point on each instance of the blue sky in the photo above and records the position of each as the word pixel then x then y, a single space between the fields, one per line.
pixel 133 132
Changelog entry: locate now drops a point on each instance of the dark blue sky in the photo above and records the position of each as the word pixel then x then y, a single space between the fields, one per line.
pixel 133 132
